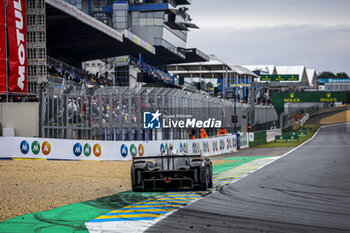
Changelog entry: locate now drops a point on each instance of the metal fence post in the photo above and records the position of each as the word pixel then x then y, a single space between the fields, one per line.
pixel 42 115
pixel 111 118
pixel 100 115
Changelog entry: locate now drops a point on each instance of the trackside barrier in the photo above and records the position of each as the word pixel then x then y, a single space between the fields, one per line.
pixel 271 134
pixel 59 149
pixel 261 137
pixel 243 140
pixel 296 125
pixel 305 118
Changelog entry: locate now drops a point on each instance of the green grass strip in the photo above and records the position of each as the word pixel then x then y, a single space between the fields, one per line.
pixel 274 144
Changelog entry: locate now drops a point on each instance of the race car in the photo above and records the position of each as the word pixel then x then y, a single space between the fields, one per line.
pixel 171 172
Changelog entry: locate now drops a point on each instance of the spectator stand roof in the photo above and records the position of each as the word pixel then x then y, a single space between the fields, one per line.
pixel 290 70
pixel 312 77
pixel 243 71
pixel 212 69
pixel 74 37
pixel 262 69
pixel 171 55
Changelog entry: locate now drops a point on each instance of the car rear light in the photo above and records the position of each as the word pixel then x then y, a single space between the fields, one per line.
pixel 167 179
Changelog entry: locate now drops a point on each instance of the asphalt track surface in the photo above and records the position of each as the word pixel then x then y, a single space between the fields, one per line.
pixel 307 190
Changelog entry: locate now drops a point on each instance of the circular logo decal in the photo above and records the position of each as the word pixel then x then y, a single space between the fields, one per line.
pixel 234 142
pixel 329 95
pixel 141 150
pixel 77 149
pixel 195 148
pixel 35 147
pixel 46 148
pixel 87 150
pixel 185 149
pixel 133 150
pixel 124 150
pixel 97 150
pixel 292 95
pixel 24 147
pixel 162 148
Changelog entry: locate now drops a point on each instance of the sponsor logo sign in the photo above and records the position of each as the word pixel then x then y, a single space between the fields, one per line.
pixel 35 147
pixel 280 77
pixel 2 49
pixel 77 149
pixel 287 139
pixel 24 147
pixel 298 133
pixel 46 148
pixel 141 150
pixel 151 120
pixel 133 150
pixel 328 98
pixel 124 150
pixel 16 27
pixel 87 150
pixel 97 150
pixel 292 99
pixel 162 148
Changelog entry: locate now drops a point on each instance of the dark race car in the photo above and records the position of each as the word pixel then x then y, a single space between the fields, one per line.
pixel 171 172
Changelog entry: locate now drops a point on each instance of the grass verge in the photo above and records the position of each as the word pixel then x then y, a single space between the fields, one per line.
pixel 291 144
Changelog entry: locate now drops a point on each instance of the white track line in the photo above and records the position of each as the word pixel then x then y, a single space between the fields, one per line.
pixel 142 226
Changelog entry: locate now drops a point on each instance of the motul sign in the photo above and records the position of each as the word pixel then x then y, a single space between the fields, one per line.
pixel 16 20
pixel 2 49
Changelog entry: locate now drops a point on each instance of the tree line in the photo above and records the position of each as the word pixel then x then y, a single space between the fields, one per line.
pixel 330 75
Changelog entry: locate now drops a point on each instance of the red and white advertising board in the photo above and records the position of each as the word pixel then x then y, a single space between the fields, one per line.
pixel 16 28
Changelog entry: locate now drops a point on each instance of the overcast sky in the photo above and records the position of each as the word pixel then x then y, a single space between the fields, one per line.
pixel 314 33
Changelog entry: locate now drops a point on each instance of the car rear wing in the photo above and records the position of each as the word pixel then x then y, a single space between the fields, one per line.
pixel 166 159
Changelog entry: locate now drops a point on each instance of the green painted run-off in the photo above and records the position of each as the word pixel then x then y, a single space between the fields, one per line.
pixel 72 218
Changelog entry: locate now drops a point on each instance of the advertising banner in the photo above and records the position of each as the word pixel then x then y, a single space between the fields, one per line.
pixel 16 27
pixel 2 49
pixel 271 134
pixel 287 139
pixel 244 140
pixel 279 77
pixel 58 149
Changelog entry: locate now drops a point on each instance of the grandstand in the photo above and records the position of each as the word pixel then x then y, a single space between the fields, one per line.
pixel 210 76
pixel 156 35
pixel 85 56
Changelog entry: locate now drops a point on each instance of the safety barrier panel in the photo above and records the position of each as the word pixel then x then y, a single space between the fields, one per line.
pixel 259 138
pixel 243 140
pixel 58 149
pixel 271 134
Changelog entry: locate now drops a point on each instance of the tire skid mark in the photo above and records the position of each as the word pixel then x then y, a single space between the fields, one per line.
pixel 142 215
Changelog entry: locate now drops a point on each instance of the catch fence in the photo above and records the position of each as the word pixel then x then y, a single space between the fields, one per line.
pixel 116 113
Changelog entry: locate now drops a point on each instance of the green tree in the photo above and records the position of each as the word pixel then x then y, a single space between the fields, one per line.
pixel 327 74
pixel 342 75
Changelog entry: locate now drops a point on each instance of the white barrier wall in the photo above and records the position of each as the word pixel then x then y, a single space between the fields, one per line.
pixel 270 134
pixel 58 149
pixel 244 140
